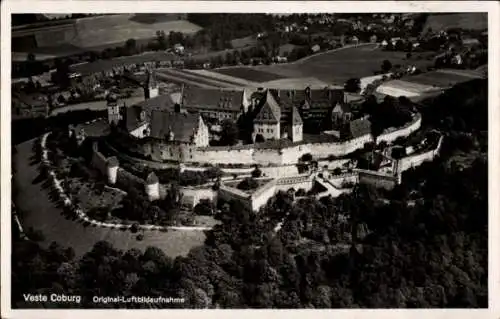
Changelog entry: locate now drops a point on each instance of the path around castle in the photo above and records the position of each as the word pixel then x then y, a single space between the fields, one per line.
pixel 38 211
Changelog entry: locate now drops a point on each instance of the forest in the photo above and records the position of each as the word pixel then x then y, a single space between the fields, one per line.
pixel 421 245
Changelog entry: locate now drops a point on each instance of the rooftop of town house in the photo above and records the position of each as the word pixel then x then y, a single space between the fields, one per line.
pixel 108 65
pixel 223 100
pixel 32 100
pixel 182 125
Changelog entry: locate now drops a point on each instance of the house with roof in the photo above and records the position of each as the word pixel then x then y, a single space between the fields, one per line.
pixel 341 115
pixel 166 133
pixel 214 104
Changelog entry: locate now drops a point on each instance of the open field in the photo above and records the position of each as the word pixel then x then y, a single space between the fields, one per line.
pixel 251 74
pixel 39 212
pixel 244 42
pixel 333 67
pixel 469 21
pixel 439 79
pixel 110 29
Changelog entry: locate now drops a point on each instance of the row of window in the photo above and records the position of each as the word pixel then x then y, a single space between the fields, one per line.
pixel 261 130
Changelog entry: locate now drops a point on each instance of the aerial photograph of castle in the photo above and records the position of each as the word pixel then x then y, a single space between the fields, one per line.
pixel 241 161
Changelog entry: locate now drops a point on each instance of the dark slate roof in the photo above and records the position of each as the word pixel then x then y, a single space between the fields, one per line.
pixel 133 117
pixel 270 110
pixel 152 178
pixel 216 99
pixel 183 125
pixel 113 161
pixel 342 107
pixel 160 102
pixel 360 127
pixel 316 99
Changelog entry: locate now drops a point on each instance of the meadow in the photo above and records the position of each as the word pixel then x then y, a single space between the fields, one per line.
pixel 332 67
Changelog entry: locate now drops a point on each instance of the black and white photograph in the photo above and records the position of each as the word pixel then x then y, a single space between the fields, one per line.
pixel 248 160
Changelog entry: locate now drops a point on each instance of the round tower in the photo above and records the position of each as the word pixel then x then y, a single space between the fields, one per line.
pixel 152 187
pixel 112 169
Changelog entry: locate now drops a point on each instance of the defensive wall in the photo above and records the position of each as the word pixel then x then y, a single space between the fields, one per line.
pixel 254 201
pixel 251 155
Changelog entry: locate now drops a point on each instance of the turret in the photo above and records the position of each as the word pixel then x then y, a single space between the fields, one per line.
pixel 151 89
pixel 152 187
pixel 112 169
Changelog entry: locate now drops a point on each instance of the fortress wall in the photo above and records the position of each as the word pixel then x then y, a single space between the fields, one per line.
pixel 338 180
pixel 125 179
pixel 230 194
pixel 224 156
pixel 333 164
pixel 192 196
pixel 262 196
pixel 378 180
pixel 284 184
pixel 404 131
pixel 416 160
pixel 99 162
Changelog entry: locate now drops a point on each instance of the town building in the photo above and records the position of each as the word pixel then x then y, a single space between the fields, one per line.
pixel 215 105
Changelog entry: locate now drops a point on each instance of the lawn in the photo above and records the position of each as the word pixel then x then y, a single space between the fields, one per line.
pixel 250 74
pixel 39 212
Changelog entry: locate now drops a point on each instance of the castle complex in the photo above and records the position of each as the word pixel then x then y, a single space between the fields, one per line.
pixel 169 129
pixel 177 127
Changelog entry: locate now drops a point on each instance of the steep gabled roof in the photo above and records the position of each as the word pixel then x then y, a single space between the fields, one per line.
pixel 217 99
pixel 152 179
pixel 182 125
pixel 270 111
pixel 341 108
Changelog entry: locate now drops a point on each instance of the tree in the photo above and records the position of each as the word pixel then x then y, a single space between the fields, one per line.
pixel 352 85
pixel 229 134
pixel 131 46
pixel 386 66
pixel 248 184
pixel 256 173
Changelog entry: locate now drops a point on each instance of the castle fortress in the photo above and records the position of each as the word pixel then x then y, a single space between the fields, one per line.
pixel 169 128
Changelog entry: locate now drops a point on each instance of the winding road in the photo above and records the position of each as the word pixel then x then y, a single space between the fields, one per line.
pixel 38 211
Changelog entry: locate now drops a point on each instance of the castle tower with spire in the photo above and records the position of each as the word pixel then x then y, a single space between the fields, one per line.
pixel 114 114
pixel 151 89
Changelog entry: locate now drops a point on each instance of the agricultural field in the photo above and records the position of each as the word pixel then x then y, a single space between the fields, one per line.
pixel 468 21
pixel 239 43
pixel 250 74
pixel 439 79
pixel 102 31
pixel 332 67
